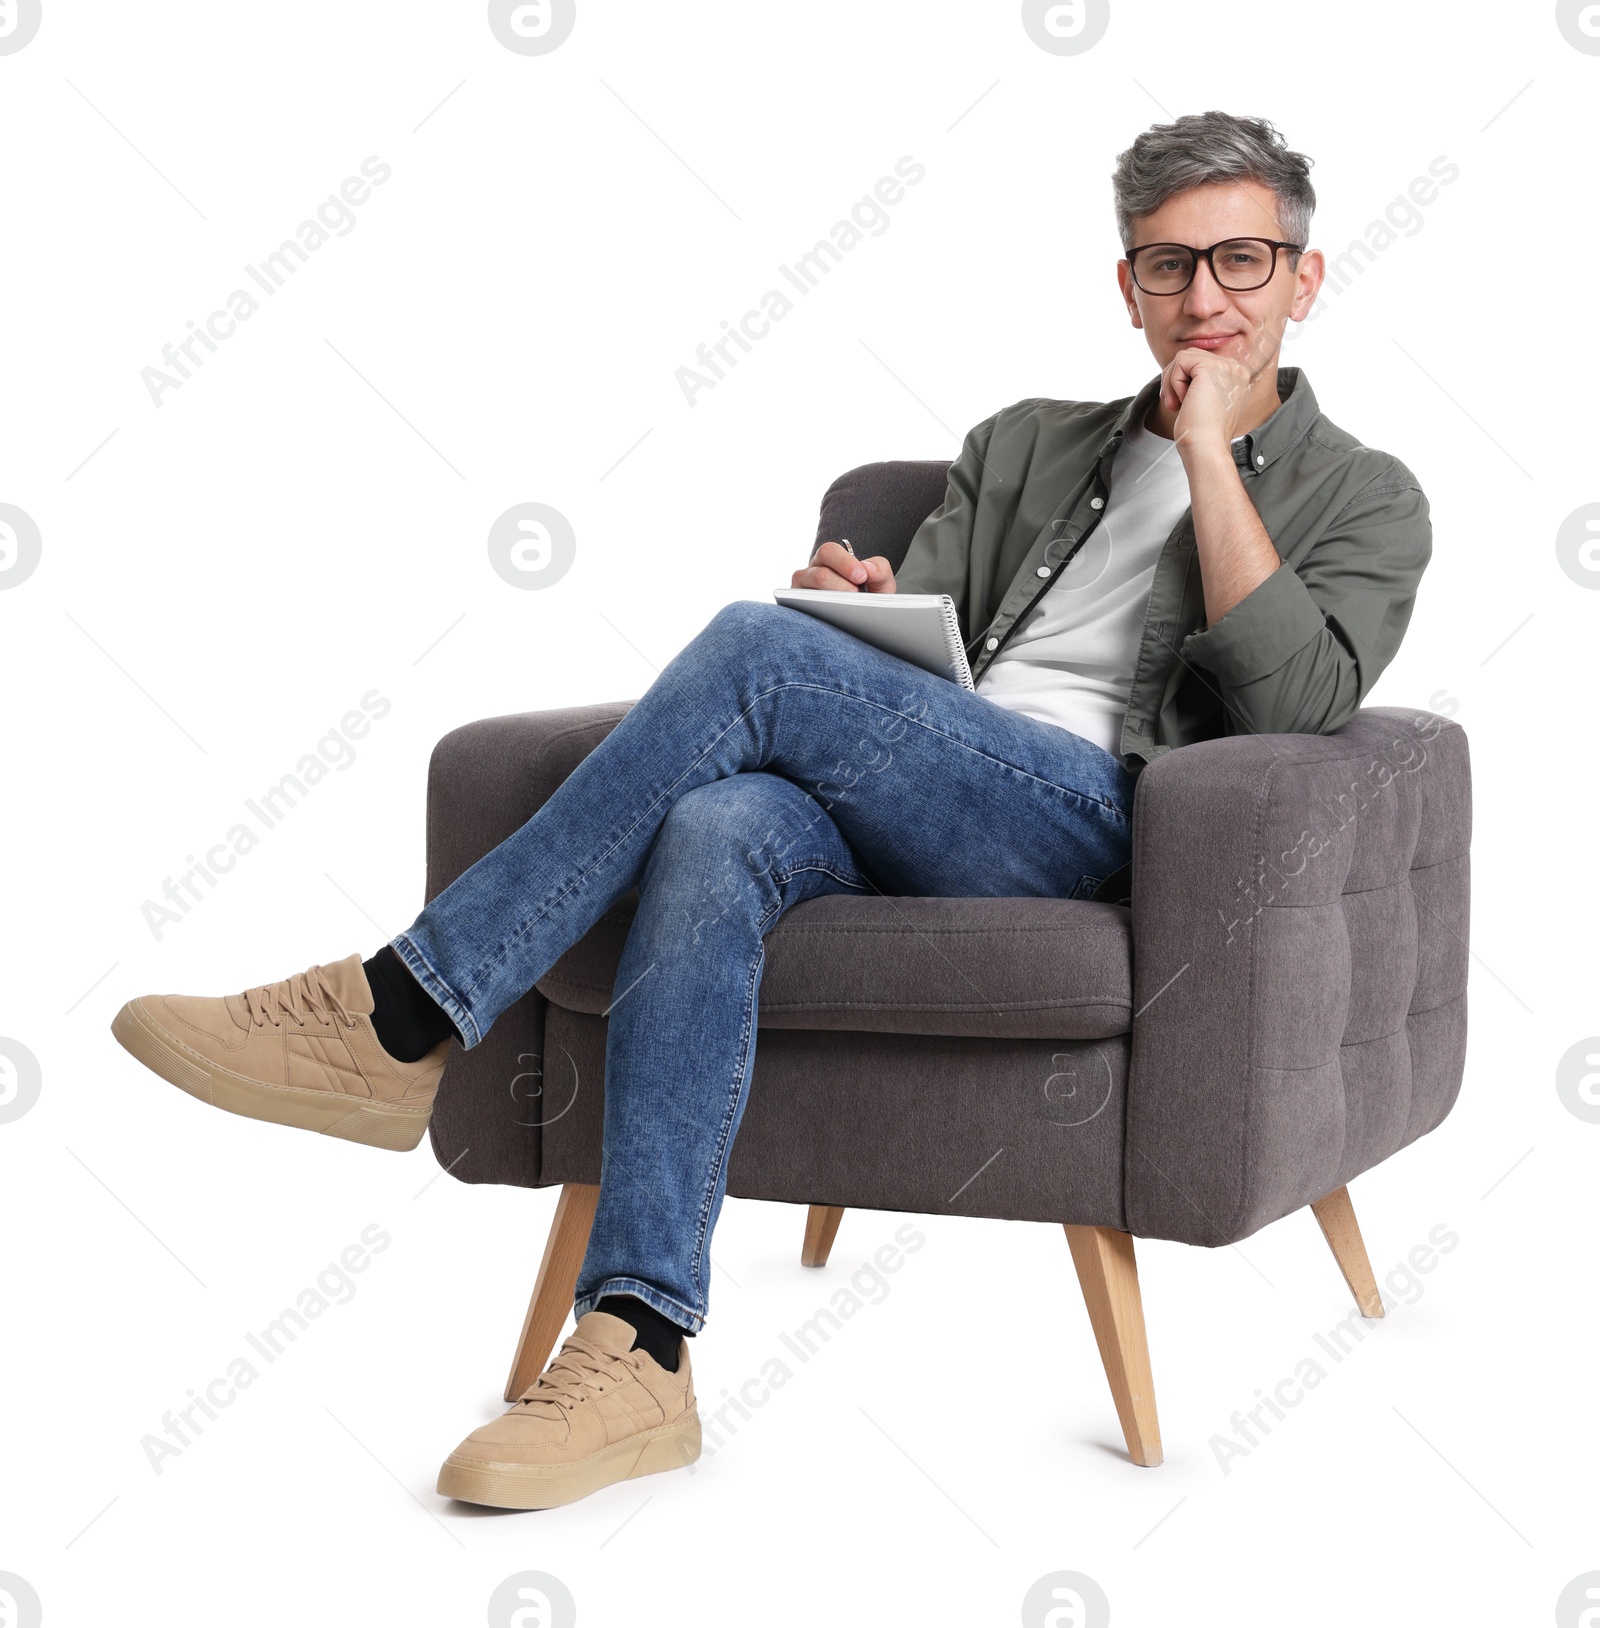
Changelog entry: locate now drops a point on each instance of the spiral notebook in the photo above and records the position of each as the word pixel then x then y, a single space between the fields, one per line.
pixel 919 628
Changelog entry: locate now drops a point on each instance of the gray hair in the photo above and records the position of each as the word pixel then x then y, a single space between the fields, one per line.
pixel 1199 149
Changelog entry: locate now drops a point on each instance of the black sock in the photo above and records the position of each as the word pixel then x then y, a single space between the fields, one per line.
pixel 651 1331
pixel 408 1021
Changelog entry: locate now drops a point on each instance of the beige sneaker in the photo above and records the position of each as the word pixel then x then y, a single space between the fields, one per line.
pixel 299 1052
pixel 599 1413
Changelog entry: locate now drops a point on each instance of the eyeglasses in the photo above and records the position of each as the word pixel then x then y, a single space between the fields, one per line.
pixel 1238 264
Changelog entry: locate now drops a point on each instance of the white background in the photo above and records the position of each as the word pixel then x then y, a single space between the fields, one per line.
pixel 305 521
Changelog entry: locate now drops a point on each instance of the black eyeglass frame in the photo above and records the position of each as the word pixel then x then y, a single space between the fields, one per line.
pixel 1205 254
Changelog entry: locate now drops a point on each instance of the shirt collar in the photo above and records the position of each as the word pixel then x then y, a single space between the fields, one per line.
pixel 1255 450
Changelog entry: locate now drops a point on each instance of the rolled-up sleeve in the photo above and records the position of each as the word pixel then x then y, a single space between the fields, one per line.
pixel 1301 650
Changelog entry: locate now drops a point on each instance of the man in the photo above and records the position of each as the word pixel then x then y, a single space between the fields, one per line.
pixel 1210 556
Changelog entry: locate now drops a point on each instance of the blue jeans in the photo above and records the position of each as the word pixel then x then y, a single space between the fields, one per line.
pixel 774 760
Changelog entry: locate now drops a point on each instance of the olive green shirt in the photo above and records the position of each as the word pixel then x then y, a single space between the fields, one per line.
pixel 1295 656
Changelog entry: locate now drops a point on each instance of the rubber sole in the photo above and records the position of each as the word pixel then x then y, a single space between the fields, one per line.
pixel 546 1486
pixel 395 1126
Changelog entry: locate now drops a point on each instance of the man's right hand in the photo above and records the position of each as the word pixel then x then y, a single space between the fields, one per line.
pixel 833 566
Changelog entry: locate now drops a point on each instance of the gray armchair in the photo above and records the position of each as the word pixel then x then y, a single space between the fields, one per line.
pixel 1282 1007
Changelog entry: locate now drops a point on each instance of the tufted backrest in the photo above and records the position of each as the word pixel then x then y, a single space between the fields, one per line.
pixel 1300 910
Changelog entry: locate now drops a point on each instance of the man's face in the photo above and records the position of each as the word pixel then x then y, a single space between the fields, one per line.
pixel 1247 326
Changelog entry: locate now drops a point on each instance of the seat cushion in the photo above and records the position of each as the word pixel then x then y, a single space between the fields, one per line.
pixel 1046 969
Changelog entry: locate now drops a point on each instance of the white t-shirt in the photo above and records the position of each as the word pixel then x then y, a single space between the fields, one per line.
pixel 1070 660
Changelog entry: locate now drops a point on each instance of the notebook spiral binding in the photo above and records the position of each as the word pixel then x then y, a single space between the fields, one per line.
pixel 956 650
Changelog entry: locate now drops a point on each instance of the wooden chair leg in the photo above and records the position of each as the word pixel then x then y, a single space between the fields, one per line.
pixel 553 1288
pixel 1109 1278
pixel 1337 1217
pixel 822 1222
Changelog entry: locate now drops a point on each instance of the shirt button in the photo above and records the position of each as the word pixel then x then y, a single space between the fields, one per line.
pixel 1260 459
pixel 993 644
pixel 1043 571
pixel 1097 503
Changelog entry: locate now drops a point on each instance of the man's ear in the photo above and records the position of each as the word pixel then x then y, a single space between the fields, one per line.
pixel 1308 274
pixel 1125 285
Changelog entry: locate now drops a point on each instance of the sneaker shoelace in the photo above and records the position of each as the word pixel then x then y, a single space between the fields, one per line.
pixel 308 990
pixel 578 1368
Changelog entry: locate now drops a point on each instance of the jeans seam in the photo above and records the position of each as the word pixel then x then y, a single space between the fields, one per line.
pixel 823 869
pixel 725 1130
pixel 664 1303
pixel 435 986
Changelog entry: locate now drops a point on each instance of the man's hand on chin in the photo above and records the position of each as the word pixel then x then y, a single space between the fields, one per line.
pixel 1210 393
pixel 834 566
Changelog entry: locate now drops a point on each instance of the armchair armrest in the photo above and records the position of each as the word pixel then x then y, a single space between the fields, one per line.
pixel 1300 917
pixel 484 781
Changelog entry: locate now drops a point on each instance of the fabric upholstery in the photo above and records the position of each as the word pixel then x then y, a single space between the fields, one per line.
pixel 879 506
pixel 1008 968
pixel 1027 1130
pixel 1300 910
